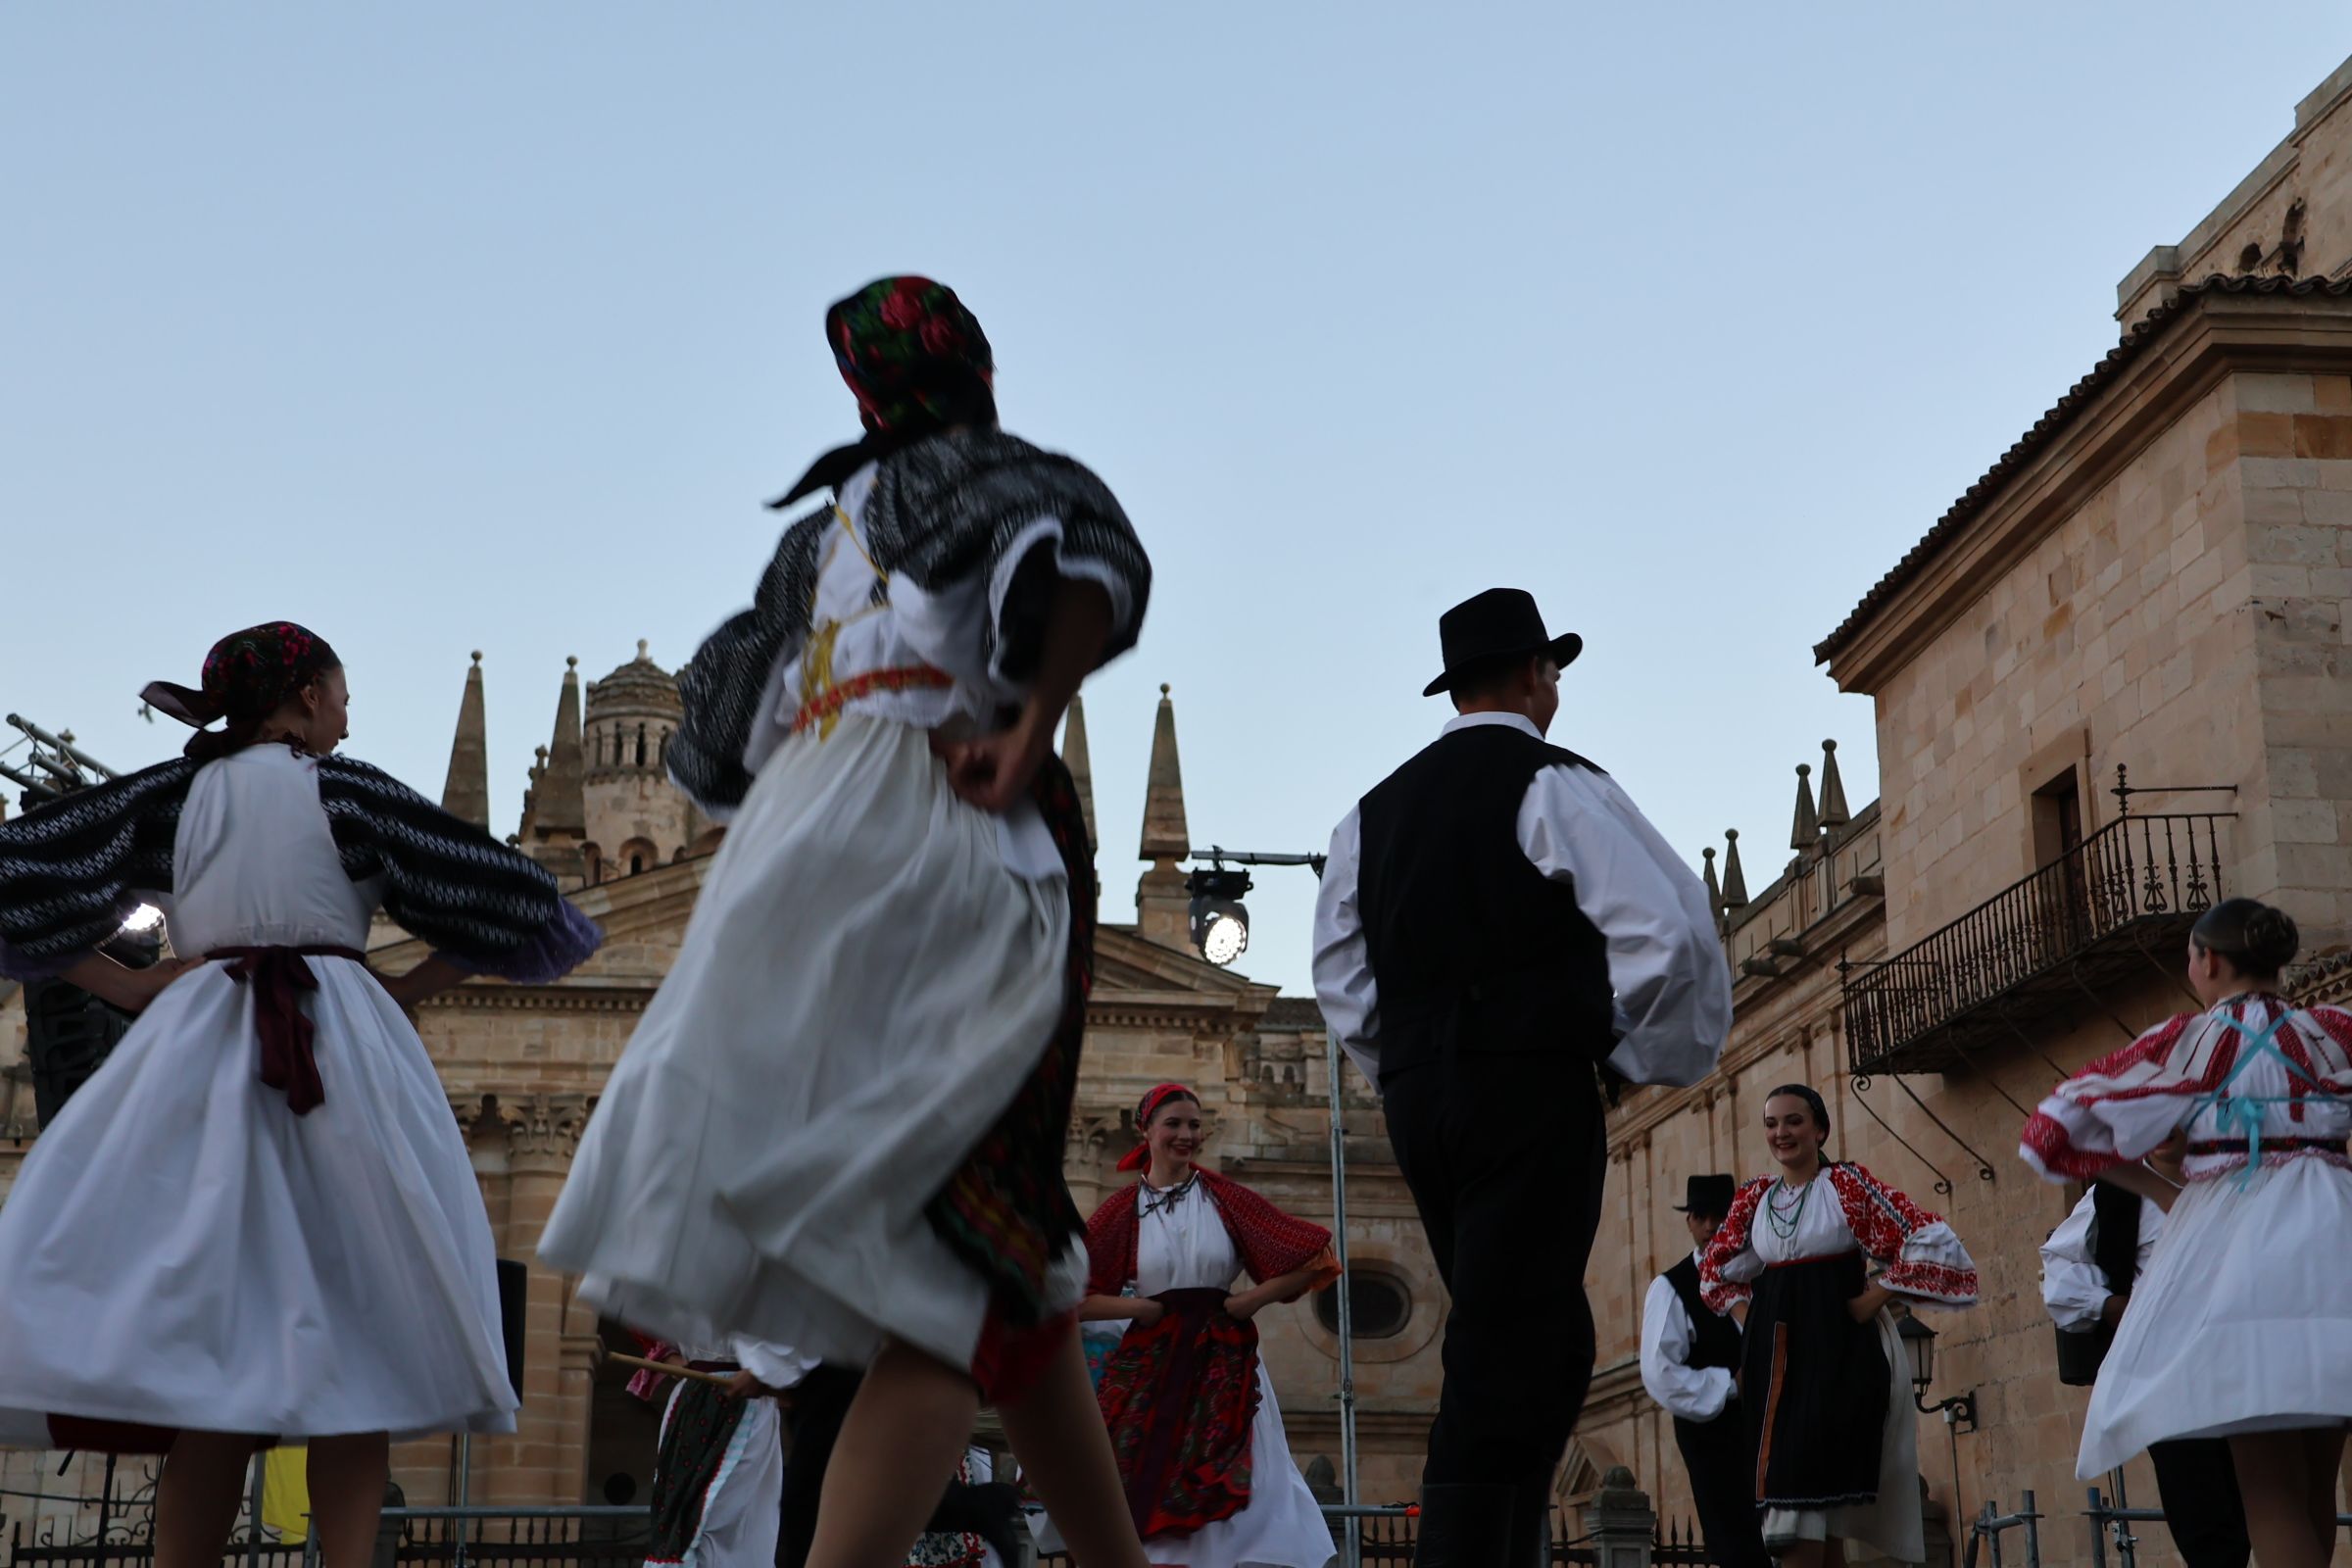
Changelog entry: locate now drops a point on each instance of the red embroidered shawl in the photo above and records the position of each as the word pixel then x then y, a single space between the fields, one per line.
pixel 1270 1243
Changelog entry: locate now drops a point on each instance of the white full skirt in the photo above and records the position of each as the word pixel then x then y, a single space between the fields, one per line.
pixel 181 1250
pixel 1280 1526
pixel 863 988
pixel 2242 1321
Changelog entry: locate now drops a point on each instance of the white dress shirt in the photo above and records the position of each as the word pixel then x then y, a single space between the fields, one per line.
pixel 1694 1393
pixel 2072 1286
pixel 1666 963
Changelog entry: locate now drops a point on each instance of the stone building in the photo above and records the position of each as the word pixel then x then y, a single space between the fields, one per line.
pixel 523 1065
pixel 2110 686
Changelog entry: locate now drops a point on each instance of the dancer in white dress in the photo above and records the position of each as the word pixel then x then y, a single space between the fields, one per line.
pixel 840 1124
pixel 2240 1326
pixel 1193 1417
pixel 1822 1364
pixel 258 1221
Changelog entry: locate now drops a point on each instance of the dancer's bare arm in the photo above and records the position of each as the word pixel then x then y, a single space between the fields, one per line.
pixel 1112 1308
pixel 119 984
pixel 994 771
pixel 431 978
pixel 1281 1288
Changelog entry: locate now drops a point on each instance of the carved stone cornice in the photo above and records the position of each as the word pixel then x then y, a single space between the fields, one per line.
pixel 540 1125
pixel 549 1124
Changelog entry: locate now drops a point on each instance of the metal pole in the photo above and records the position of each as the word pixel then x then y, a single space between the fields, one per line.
pixel 253 1521
pixel 465 1488
pixel 1339 1241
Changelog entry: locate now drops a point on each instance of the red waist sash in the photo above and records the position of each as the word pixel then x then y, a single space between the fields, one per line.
pixel 278 977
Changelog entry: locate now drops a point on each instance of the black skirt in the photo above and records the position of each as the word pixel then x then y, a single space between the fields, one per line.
pixel 1815 1387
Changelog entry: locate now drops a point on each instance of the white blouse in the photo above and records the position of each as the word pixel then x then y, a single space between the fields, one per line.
pixel 1182 1245
pixel 910 629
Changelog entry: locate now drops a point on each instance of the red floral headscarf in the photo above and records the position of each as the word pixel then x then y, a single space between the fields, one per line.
pixel 918 362
pixel 1139 1156
pixel 913 356
pixel 247 677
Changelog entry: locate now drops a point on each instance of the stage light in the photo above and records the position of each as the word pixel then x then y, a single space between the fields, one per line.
pixel 1220 923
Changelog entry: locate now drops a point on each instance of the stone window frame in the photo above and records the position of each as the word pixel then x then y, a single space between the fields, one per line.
pixel 1425 1307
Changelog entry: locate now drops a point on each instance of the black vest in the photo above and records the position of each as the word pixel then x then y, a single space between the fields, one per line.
pixel 1714 1337
pixel 2114 1248
pixel 1473 951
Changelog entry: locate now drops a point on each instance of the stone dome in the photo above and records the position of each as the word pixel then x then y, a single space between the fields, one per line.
pixel 638 689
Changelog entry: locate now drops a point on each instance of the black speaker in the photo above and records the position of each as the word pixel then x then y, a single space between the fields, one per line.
pixel 514 1293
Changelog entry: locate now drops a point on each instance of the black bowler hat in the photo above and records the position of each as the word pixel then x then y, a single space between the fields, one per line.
pixel 1497 625
pixel 1707 1194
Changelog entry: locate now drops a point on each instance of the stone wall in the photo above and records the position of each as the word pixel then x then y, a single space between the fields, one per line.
pixel 2291 216
pixel 2184 620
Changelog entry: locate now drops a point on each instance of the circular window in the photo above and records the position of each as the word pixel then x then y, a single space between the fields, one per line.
pixel 1379 1304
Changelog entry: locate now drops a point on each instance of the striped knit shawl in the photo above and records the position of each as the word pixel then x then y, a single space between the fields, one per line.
pixel 72 871
pixel 942 511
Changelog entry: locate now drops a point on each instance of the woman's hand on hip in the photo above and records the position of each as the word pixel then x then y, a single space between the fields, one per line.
pixel 993 772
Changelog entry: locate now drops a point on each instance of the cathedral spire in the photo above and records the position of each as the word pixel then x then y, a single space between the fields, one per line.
pixel 466 793
pixel 1833 813
pixel 1165 836
pixel 559 815
pixel 1735 880
pixel 1162 908
pixel 1074 757
pixel 1804 831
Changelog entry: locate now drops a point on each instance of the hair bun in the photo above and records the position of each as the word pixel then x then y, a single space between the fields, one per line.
pixel 2271 939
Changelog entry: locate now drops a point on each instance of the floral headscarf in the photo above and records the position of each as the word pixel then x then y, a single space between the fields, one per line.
pixel 247 677
pixel 913 356
pixel 918 362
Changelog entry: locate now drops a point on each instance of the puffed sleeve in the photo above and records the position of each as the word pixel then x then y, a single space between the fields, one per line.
pixel 1730 1264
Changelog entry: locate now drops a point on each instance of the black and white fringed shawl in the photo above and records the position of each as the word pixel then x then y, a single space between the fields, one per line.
pixel 958 505
pixel 71 872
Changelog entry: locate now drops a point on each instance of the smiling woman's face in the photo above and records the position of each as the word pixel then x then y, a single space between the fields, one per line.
pixel 1174 1134
pixel 1791 1132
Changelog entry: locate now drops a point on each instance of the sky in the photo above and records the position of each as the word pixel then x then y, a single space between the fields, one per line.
pixel 442 327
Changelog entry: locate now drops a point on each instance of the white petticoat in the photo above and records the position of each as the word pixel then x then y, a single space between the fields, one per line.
pixel 2242 1321
pixel 863 988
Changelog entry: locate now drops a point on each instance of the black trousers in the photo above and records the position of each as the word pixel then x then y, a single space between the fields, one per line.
pixel 2198 1487
pixel 1504 1156
pixel 1723 1487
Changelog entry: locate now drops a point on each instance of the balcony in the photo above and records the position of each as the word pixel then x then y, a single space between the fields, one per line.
pixel 2117 903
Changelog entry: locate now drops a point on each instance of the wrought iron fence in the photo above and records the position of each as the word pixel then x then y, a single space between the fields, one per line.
pixel 477 1537
pixel 1386 1540
pixel 2137 871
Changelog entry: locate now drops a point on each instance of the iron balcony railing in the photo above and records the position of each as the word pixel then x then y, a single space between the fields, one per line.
pixel 2106 907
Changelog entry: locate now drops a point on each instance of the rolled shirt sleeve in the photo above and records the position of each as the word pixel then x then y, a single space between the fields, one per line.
pixel 1666 961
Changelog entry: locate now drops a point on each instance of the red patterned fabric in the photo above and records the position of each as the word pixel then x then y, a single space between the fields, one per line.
pixel 646 1384
pixel 1179 1396
pixel 1882 1220
pixel 2176 1059
pixel 1010 1358
pixel 1731 1239
pixel 1270 1242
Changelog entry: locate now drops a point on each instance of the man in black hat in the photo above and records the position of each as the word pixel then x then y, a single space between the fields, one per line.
pixel 1497 921
pixel 1688 1357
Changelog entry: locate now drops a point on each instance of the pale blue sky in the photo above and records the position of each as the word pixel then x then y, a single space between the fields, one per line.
pixel 451 327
